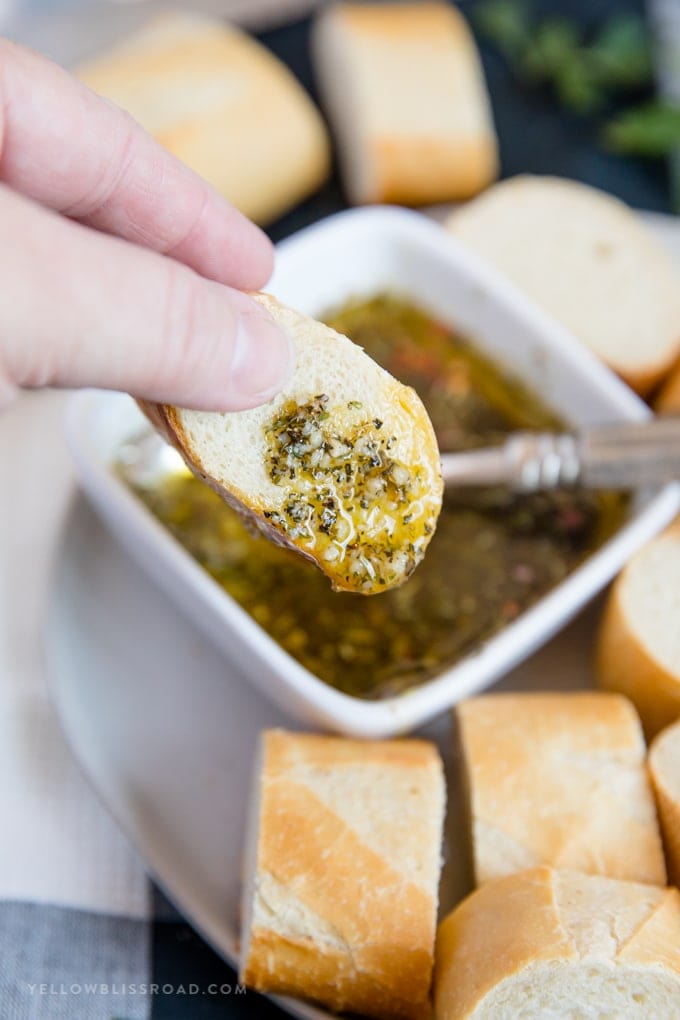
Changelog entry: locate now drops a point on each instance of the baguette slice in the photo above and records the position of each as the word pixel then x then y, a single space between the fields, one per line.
pixel 404 89
pixel 664 768
pixel 638 645
pixel 546 944
pixel 589 261
pixel 224 105
pixel 342 862
pixel 342 466
pixel 668 398
pixel 559 779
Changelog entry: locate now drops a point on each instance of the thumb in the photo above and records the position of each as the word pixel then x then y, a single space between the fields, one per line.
pixel 82 308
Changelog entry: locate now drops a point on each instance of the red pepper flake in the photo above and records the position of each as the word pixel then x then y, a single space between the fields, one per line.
pixel 510 609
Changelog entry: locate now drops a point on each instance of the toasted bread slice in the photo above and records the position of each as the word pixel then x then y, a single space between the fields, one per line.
pixel 667 400
pixel 664 769
pixel 588 260
pixel 546 943
pixel 342 465
pixel 223 104
pixel 404 88
pixel 638 647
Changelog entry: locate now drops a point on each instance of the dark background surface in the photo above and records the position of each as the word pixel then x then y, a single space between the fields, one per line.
pixel 535 136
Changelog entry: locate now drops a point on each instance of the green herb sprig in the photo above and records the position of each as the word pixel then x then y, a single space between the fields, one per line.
pixel 554 52
pixel 652 130
pixel 586 76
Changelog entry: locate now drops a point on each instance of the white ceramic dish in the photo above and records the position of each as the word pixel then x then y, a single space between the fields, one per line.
pixel 360 253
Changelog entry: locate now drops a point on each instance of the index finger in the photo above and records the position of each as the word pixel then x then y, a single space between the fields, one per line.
pixel 78 154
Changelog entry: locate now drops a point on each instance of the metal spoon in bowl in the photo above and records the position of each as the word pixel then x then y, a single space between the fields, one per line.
pixel 623 456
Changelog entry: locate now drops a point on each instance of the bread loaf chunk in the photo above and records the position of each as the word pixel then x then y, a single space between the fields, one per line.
pixel 589 261
pixel 404 89
pixel 343 861
pixel 664 768
pixel 668 398
pixel 224 105
pixel 638 645
pixel 342 465
pixel 559 779
pixel 544 943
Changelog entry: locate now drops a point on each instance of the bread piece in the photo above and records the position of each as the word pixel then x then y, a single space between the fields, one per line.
pixel 638 645
pixel 359 493
pixel 222 103
pixel 559 779
pixel 664 769
pixel 588 260
pixel 343 860
pixel 405 92
pixel 543 943
pixel 668 398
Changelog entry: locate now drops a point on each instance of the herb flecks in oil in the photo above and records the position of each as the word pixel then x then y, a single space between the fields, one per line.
pixel 347 498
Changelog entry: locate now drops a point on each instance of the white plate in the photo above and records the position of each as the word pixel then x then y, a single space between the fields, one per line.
pixel 165 727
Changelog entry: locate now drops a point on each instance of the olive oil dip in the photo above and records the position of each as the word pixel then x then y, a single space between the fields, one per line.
pixel 493 555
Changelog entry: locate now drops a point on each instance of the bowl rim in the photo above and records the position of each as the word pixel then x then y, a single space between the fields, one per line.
pixel 302 691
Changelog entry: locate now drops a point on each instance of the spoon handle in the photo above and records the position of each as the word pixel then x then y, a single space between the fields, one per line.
pixel 623 456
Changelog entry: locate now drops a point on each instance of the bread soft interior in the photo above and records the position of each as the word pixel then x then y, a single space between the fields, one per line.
pixel 649 593
pixel 552 945
pixel 588 260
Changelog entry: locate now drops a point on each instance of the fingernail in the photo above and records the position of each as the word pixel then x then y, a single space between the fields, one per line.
pixel 263 358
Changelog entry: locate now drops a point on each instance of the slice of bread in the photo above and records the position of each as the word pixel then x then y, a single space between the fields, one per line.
pixel 667 400
pixel 548 944
pixel 342 861
pixel 638 645
pixel 559 779
pixel 589 261
pixel 342 465
pixel 404 89
pixel 664 768
pixel 224 105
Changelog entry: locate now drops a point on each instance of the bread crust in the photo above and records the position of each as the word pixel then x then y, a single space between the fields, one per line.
pixel 396 406
pixel 664 769
pixel 166 420
pixel 224 105
pixel 512 926
pixel 667 400
pixel 331 849
pixel 626 665
pixel 387 153
pixel 559 779
pixel 410 175
pixel 626 662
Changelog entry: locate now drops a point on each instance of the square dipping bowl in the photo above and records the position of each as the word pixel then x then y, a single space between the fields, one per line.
pixel 358 254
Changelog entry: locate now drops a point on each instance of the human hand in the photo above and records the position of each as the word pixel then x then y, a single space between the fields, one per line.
pixel 118 263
